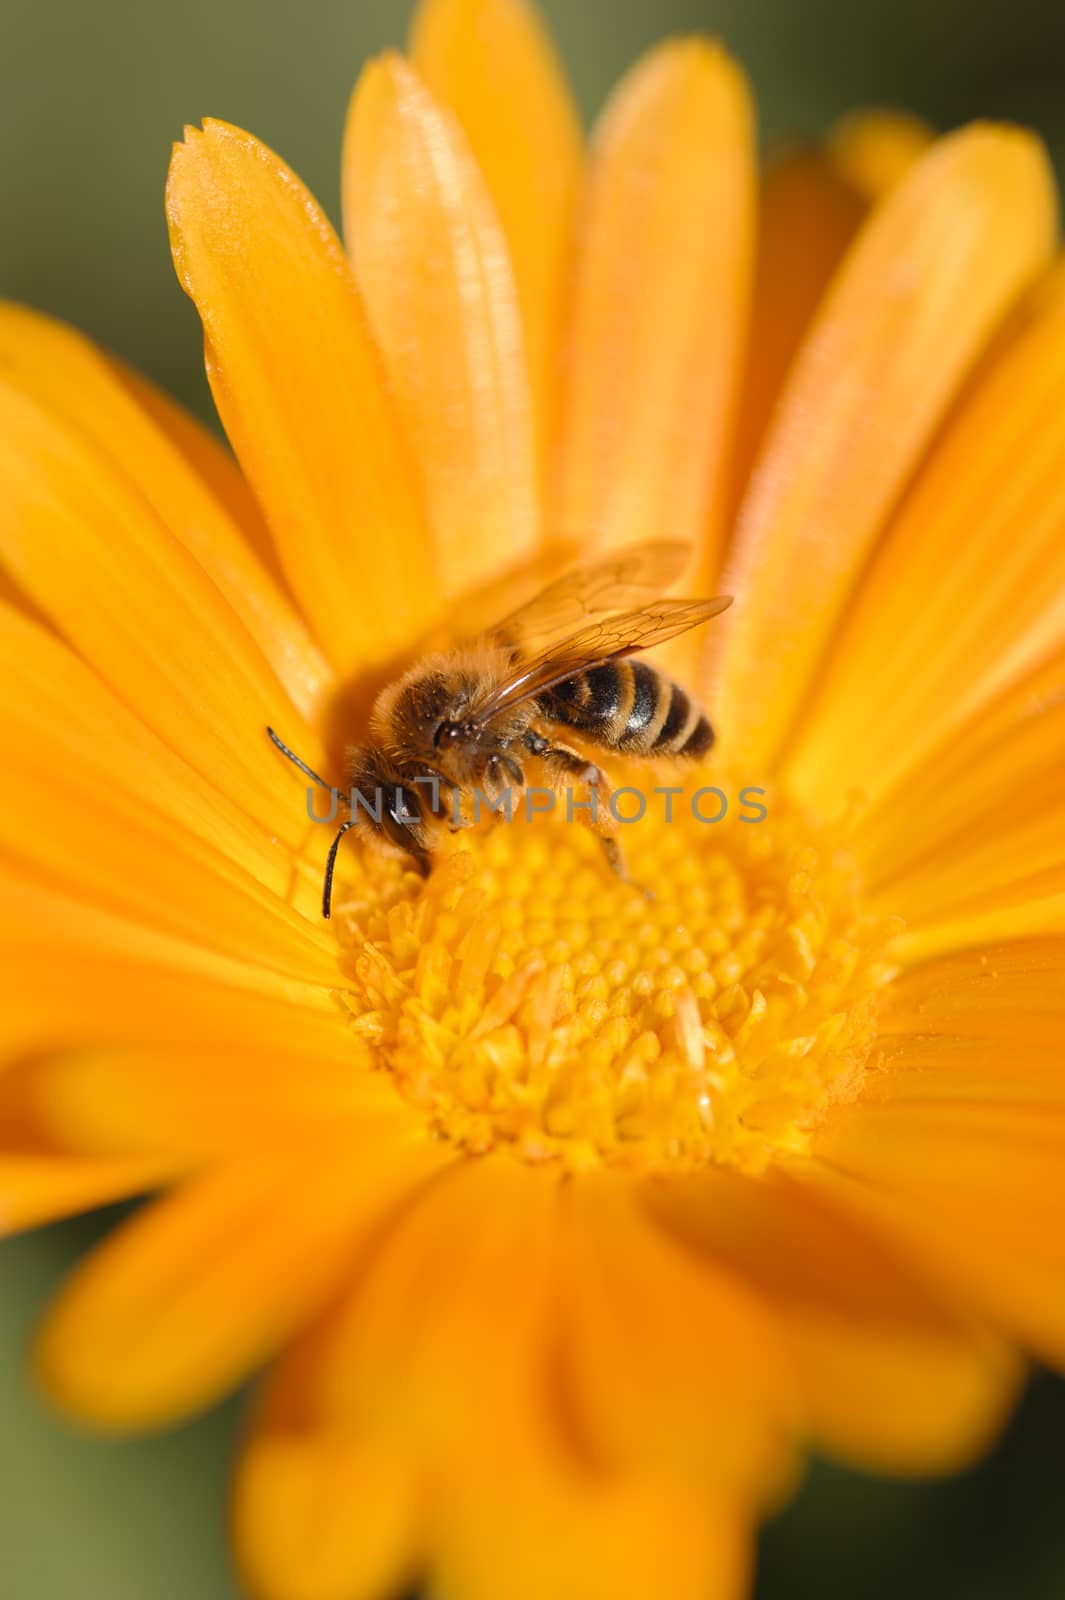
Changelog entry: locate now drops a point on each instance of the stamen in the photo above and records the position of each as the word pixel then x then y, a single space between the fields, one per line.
pixel 526 999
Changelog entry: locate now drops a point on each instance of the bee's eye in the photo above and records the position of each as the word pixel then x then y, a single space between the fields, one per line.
pixel 446 731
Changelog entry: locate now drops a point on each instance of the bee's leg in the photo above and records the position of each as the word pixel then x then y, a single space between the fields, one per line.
pixel 561 766
pixel 457 818
pixel 492 775
pixel 454 808
pixel 514 771
pixel 445 801
pixel 615 859
pixel 500 785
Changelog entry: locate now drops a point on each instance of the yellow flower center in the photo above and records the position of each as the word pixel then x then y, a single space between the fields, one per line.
pixel 526 998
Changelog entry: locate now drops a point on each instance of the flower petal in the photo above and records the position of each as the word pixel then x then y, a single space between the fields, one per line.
pixel 935 269
pixel 58 710
pixel 211 461
pixel 157 876
pixel 154 841
pixel 299 389
pixel 874 150
pixel 570 1540
pixel 973 1192
pixel 190 1104
pixel 660 312
pixel 982 1025
pixel 138 991
pixel 70 377
pixel 967 589
pixel 79 536
pixel 1007 993
pixel 78 974
pixel 181 1302
pixel 887 1377
pixel 807 217
pixel 40 1186
pixel 812 204
pixel 323 1512
pixel 669 1364
pixel 319 1516
pixel 956 1148
pixel 416 1355
pixel 432 265
pixel 492 63
pixel 987 858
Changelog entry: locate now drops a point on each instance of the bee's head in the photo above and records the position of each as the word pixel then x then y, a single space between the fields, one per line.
pixel 448 734
pixel 402 821
pixel 425 712
pixel 389 804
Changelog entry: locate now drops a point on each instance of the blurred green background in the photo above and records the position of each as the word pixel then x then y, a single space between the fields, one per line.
pixel 91 96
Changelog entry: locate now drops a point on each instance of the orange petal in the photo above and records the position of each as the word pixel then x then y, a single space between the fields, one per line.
pixel 37 1187
pixel 81 539
pixel 299 389
pixel 320 1516
pixel 321 1511
pixel 153 840
pixel 210 460
pixel 967 589
pixel 417 1354
pixel 660 306
pixel 493 64
pixel 62 718
pixel 78 973
pixel 987 858
pixel 155 874
pixel 807 217
pixel 970 1069
pixel 812 203
pixel 181 1302
pixel 986 1024
pixel 573 1539
pixel 432 265
pixel 888 1378
pixel 935 269
pixel 972 1190
pixel 668 1364
pixel 192 1104
pixel 874 150
pixel 137 991
pixel 1009 993
pixel 71 378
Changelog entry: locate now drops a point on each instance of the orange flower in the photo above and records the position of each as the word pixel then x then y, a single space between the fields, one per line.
pixel 576 1216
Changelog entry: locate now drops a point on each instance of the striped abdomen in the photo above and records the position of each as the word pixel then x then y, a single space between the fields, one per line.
pixel 630 706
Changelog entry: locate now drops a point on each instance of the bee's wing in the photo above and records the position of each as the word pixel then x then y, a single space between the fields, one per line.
pixel 594 644
pixel 622 579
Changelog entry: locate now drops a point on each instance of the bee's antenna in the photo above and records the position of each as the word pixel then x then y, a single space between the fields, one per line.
pixel 331 861
pixel 294 758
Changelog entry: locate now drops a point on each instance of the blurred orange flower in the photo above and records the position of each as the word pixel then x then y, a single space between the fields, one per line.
pixel 576 1216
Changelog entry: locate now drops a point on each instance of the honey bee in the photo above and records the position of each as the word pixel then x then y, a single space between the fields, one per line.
pixel 467 723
